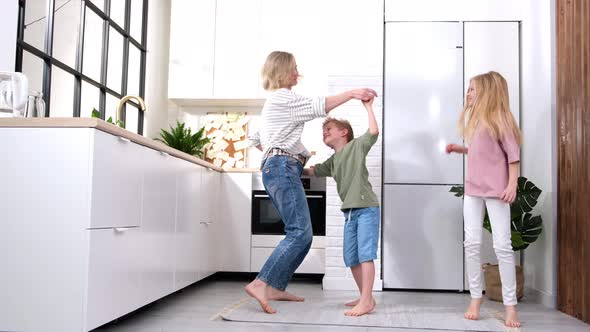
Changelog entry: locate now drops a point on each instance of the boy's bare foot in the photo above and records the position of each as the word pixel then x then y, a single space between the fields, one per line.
pixel 355 302
pixel 361 308
pixel 511 318
pixel 259 290
pixel 277 295
pixel 473 310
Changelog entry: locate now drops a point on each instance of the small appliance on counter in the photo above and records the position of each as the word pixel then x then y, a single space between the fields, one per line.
pixel 13 94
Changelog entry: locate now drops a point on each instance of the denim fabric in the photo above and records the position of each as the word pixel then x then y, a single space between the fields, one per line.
pixel 281 179
pixel 361 235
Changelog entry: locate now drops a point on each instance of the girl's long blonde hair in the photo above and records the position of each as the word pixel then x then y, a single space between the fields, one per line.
pixel 491 108
pixel 277 70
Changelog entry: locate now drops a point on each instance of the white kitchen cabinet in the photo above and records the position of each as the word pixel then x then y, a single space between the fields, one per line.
pixel 158 214
pixel 238 61
pixel 116 182
pixel 114 274
pixel 75 255
pixel 235 227
pixel 192 49
pixel 188 227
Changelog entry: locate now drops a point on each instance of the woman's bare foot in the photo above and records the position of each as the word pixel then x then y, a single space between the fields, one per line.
pixel 511 318
pixel 277 295
pixel 259 290
pixel 361 308
pixel 473 310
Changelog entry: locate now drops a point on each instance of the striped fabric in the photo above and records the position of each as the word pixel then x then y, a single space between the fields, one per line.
pixel 282 119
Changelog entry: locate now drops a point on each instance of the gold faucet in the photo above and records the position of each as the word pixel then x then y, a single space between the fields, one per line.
pixel 125 99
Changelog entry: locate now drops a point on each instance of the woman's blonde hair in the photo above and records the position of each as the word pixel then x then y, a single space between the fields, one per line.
pixel 491 108
pixel 277 70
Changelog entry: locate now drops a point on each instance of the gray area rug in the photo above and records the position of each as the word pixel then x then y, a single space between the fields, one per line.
pixel 331 312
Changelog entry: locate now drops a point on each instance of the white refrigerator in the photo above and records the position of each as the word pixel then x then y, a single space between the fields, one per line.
pixel 427 70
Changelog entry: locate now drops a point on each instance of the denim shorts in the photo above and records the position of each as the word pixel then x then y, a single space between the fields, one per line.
pixel 361 235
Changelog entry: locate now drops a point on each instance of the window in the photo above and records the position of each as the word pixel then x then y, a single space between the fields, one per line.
pixel 85 54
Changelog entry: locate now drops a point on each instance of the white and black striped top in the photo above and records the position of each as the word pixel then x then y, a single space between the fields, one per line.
pixel 282 119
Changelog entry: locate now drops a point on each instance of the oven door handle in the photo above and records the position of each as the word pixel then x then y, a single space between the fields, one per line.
pixel 307 196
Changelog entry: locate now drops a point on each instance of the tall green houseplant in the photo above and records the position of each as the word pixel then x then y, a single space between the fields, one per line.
pixel 182 138
pixel 525 227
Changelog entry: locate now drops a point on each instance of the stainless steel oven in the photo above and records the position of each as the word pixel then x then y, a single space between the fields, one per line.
pixel 267 221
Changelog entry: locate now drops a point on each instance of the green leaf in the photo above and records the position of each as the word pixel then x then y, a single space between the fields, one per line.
pixel 110 119
pixel 458 190
pixel 182 138
pixel 95 113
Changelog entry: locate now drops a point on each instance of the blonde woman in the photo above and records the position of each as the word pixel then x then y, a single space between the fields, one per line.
pixel 493 162
pixel 282 119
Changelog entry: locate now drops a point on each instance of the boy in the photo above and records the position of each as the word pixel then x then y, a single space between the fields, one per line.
pixel 359 203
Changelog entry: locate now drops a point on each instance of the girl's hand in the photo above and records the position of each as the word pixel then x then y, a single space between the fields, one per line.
pixel 451 148
pixel 368 102
pixel 509 194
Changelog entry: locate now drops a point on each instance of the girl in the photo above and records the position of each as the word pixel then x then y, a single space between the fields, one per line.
pixel 488 127
pixel 282 119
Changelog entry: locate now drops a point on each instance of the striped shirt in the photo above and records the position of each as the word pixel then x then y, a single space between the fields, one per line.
pixel 282 119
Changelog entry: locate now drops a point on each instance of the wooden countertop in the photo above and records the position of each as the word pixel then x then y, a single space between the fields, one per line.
pixel 108 128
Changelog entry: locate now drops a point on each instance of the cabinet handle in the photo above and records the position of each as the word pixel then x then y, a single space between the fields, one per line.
pixel 165 154
pixel 123 139
pixel 122 229
pixel 206 223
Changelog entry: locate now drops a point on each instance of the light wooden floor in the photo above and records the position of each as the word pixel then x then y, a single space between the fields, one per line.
pixel 196 308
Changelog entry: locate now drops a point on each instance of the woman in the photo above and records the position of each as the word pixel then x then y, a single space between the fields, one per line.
pixel 282 119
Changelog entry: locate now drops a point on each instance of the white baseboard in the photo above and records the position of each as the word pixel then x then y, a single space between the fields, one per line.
pixel 331 283
pixel 537 296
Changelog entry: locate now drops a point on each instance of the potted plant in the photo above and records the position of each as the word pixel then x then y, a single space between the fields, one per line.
pixel 526 229
pixel 181 138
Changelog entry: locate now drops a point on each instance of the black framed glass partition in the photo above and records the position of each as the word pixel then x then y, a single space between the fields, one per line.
pixel 84 55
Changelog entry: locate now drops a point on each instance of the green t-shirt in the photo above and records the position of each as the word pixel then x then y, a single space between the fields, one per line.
pixel 349 170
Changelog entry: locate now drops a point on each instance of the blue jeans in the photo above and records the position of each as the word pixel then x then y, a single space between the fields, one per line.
pixel 281 179
pixel 361 235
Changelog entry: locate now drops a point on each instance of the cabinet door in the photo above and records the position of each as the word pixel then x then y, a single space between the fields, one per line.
pixel 189 206
pixel 157 223
pixel 116 182
pixel 209 223
pixel 233 246
pixel 113 275
pixel 238 61
pixel 423 101
pixel 422 238
pixel 192 49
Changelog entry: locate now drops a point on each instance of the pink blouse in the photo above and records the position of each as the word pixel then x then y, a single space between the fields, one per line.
pixel 487 163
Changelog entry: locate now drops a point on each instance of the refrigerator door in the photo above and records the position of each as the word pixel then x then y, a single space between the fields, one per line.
pixel 423 98
pixel 422 238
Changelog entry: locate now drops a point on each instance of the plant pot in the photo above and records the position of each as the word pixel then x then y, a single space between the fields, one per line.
pixel 494 285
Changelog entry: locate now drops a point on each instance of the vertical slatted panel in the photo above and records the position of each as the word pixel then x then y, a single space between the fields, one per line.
pixel 573 109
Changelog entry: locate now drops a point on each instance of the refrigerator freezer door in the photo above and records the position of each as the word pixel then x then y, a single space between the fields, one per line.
pixel 423 100
pixel 422 238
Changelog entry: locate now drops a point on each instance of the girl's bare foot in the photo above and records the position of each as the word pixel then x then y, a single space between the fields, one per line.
pixel 362 308
pixel 473 310
pixel 352 303
pixel 355 302
pixel 259 290
pixel 511 318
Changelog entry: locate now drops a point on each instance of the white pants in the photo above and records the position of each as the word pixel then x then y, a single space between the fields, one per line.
pixel 499 212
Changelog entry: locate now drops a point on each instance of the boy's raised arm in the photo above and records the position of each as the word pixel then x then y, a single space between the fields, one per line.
pixel 373 126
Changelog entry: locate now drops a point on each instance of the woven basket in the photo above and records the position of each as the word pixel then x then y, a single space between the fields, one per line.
pixel 494 285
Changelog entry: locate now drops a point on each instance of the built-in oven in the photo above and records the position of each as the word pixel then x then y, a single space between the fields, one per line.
pixel 267 221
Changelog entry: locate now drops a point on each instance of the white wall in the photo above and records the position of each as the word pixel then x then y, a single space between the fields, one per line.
pixel 8 28
pixel 537 108
pixel 156 81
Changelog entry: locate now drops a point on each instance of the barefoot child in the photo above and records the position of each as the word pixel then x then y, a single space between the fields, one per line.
pixel 282 120
pixel 489 128
pixel 359 203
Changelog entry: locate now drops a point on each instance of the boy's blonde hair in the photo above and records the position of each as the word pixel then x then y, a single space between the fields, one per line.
pixel 277 70
pixel 340 124
pixel 491 108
